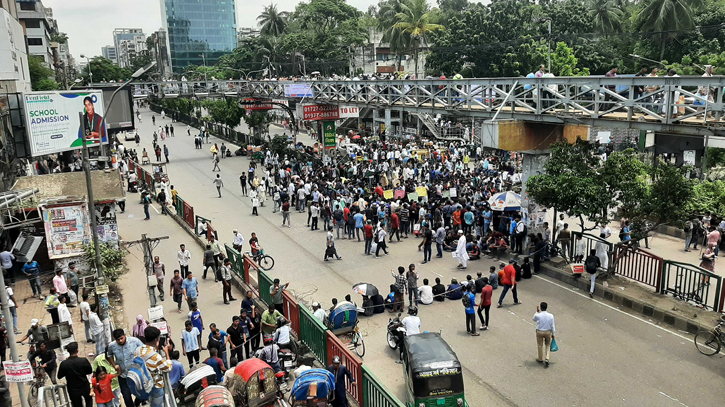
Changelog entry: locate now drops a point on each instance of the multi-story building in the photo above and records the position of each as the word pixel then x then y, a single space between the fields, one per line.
pixel 160 53
pixel 129 42
pixel 247 32
pixel 109 52
pixel 199 32
pixel 14 75
pixel 38 26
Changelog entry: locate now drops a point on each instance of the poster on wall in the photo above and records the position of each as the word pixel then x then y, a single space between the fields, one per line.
pixel 106 223
pixel 53 122
pixel 67 229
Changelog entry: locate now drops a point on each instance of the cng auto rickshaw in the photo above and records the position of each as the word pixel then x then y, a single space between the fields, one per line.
pixel 433 374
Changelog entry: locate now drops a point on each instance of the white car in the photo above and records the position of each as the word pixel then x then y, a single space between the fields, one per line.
pixel 129 135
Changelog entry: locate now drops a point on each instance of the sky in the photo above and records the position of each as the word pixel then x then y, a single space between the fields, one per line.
pixel 90 23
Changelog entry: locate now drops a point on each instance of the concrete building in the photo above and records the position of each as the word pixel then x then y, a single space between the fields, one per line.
pixel 199 33
pixel 377 57
pixel 247 32
pixel 38 26
pixel 14 75
pixel 129 42
pixel 109 52
pixel 160 53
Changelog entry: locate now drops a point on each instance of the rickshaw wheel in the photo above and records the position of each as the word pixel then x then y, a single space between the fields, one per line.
pixel 359 344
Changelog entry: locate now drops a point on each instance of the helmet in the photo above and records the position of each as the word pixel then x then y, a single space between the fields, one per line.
pixel 412 310
pixel 336 359
pixel 268 339
pixel 281 321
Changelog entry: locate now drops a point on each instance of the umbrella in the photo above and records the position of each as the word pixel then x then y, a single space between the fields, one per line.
pixel 365 289
pixel 315 73
pixel 356 137
pixel 505 201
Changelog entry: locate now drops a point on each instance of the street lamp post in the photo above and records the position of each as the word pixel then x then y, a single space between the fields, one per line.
pixel 204 58
pixel 87 164
pixel 90 71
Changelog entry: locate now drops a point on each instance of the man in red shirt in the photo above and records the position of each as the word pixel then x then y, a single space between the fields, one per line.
pixel 285 214
pixel 368 236
pixel 485 304
pixel 509 283
pixel 394 226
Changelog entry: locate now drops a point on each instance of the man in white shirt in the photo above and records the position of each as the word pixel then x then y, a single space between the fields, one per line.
pixel 545 330
pixel 97 329
pixel 85 317
pixel 425 293
pixel 238 241
pixel 318 312
pixel 183 256
pixel 7 258
pixel 12 305
pixel 605 230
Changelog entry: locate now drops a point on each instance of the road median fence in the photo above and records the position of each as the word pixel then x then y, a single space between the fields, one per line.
pixel 367 390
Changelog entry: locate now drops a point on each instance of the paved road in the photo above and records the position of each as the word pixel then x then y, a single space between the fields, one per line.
pixel 607 357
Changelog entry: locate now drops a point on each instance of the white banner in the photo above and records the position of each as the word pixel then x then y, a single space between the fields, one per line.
pixel 17 372
pixel 53 124
pixel 67 230
pixel 298 90
pixel 349 111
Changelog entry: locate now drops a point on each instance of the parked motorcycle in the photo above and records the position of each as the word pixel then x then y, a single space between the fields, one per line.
pixel 396 333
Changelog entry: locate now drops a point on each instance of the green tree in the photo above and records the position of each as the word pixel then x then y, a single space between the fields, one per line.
pixel 60 38
pixel 606 16
pixel 40 75
pixel 105 71
pixel 666 15
pixel 224 111
pixel 272 21
pixel 392 33
pixel 564 62
pixel 414 19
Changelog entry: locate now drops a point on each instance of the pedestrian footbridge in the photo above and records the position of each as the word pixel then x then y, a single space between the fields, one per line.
pixel 679 105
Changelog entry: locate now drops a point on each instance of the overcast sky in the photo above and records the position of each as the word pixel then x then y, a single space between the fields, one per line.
pixel 90 23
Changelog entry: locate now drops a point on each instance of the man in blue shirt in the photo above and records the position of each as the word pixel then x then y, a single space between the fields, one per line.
pixel 216 364
pixel 121 352
pixel 177 370
pixel 359 223
pixel 191 289
pixel 32 271
pixel 470 310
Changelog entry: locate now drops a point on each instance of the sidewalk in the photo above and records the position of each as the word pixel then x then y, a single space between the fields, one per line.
pixel 30 307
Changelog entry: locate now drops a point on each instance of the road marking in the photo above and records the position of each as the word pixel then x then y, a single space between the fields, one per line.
pixel 157 211
pixel 575 291
pixel 674 399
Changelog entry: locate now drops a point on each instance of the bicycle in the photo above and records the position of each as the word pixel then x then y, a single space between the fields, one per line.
pixel 354 341
pixel 264 261
pixel 40 378
pixel 710 342
pixel 693 296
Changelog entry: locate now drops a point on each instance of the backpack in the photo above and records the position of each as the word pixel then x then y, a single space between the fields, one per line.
pixel 591 265
pixel 139 379
pixel 466 300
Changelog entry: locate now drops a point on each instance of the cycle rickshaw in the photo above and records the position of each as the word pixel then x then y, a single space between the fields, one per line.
pixel 343 323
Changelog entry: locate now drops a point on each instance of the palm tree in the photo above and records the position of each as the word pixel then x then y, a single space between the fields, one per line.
pixel 270 47
pixel 273 22
pixel 387 20
pixel 414 20
pixel 667 15
pixel 606 15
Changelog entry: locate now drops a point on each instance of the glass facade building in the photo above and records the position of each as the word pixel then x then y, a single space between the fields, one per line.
pixel 199 30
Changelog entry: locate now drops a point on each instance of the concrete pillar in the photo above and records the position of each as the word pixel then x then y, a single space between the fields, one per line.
pixel 388 121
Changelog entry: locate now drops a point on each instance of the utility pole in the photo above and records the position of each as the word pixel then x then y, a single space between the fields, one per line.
pixel 148 244
pixel 11 334
pixel 89 185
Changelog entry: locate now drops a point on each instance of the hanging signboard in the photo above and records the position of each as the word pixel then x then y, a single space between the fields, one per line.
pixel 298 90
pixel 320 112
pixel 18 372
pixel 67 229
pixel 329 132
pixel 53 123
pixel 349 111
pixel 256 104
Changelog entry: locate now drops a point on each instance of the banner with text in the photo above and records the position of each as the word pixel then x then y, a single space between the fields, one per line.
pixel 53 122
pixel 330 137
pixel 67 229
pixel 320 112
pixel 298 90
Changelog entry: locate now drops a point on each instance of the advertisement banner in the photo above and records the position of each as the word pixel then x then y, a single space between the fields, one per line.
pixel 320 112
pixel 53 124
pixel 256 104
pixel 67 230
pixel 18 372
pixel 329 132
pixel 298 90
pixel 106 223
pixel 349 111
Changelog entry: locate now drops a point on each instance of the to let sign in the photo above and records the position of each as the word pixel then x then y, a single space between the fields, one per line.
pixel 349 111
pixel 329 133
pixel 320 112
pixel 17 372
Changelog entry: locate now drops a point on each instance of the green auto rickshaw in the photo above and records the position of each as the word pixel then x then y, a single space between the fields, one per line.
pixel 432 371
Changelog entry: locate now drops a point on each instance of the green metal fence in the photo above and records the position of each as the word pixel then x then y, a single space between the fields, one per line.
pixel 375 394
pixel 265 282
pixel 179 206
pixel 692 284
pixel 237 262
pixel 313 334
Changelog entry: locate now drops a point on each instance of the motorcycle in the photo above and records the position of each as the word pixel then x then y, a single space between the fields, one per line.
pixel 396 333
